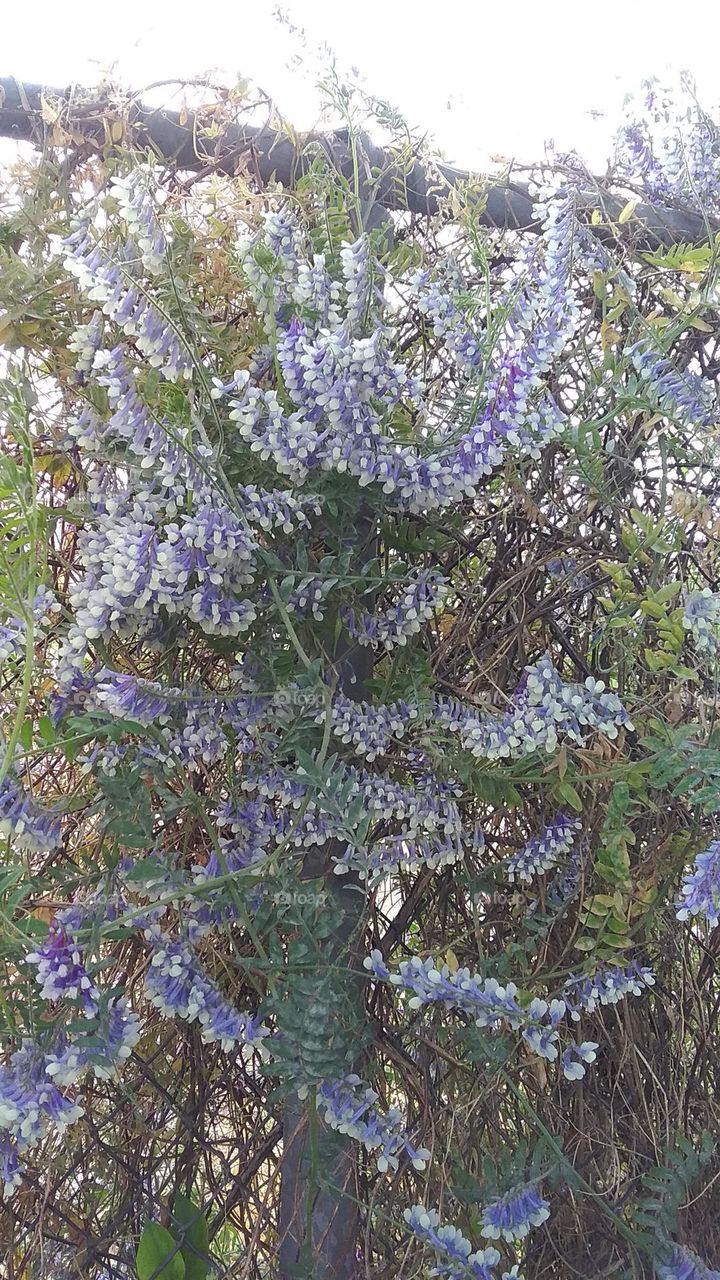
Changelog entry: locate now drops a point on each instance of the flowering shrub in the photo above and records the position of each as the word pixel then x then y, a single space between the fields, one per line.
pixel 343 615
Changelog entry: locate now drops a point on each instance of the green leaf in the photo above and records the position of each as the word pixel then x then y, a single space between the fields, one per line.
pixel 46 730
pixel 158 1257
pixel 192 1237
pixel 568 795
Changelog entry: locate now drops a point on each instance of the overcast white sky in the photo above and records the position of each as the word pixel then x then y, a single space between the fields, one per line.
pixel 484 79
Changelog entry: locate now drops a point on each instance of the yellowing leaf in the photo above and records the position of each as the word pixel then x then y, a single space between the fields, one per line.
pixel 608 335
pixel 452 961
pixel 626 214
pixel 702 325
pixel 59 136
pixel 48 112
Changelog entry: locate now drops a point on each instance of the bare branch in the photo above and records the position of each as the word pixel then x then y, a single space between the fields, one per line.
pixel 419 187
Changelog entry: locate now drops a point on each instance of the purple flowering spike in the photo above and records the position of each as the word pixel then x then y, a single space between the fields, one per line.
pixel 435 300
pixel 542 852
pixel 404 618
pixel 685 396
pixel 685 1265
pixel 27 824
pixel 13 633
pixel 349 1106
pixel 701 619
pixel 700 890
pixel 177 986
pixel 606 986
pixel 455 1253
pixel 11 1170
pixel 511 1216
pixel 103 1049
pixel 30 1102
pixel 60 969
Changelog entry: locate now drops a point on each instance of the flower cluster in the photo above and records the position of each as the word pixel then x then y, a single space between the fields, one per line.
pixel 428 807
pixel 490 1004
pixel 61 972
pixel 30 1103
pixel 179 988
pixel 28 824
pixel 497 1007
pixel 576 1057
pixel 102 1045
pixel 196 567
pixel 138 196
pixel 407 853
pixel 393 627
pixel 456 1258
pixel 672 150
pixel 13 633
pixel 564 885
pixel 246 832
pixel 607 986
pixel 289 280
pixel 346 383
pixel 448 320
pixel 343 385
pixel 702 619
pixel 543 851
pixel 685 1265
pixel 370 729
pixel 349 1106
pixel 277 508
pixel 685 396
pixel 700 890
pixel 86 342
pixel 543 709
pixel 125 301
pixel 364 293
pixel 309 597
pixel 511 1216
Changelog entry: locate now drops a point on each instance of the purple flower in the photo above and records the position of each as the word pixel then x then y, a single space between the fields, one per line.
pixel 61 973
pixel 13 633
pixel 685 1265
pixel 349 1106
pixel 511 1216
pixel 685 396
pixel 700 890
pixel 455 1253
pixel 177 986
pixel 436 301
pixel 27 824
pixel 364 295
pixel 543 851
pixel 702 619
pixel 414 606
pixel 103 1046
pixel 543 709
pixel 10 1167
pixel 576 1056
pixel 30 1102
pixel 606 986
